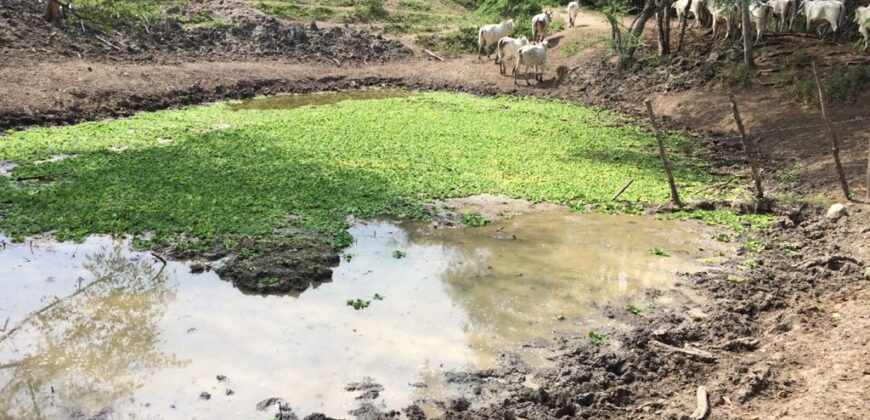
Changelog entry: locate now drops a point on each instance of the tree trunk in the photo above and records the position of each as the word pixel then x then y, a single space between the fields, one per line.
pixel 52 12
pixel 663 22
pixel 747 33
pixel 683 23
pixel 637 31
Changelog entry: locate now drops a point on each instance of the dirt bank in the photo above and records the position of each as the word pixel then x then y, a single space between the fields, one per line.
pixel 240 33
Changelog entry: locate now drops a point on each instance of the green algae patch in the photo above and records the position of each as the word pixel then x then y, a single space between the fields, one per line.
pixel 210 172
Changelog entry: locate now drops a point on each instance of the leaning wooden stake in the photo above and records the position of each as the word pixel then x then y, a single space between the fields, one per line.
pixel 835 144
pixel 675 197
pixel 748 148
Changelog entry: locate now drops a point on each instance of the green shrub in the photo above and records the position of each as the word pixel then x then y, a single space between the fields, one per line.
pixel 737 74
pixel 458 41
pixel 295 12
pixel 368 11
pixel 415 5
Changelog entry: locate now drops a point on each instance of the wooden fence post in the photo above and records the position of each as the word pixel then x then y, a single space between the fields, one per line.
pixel 675 197
pixel 748 148
pixel 835 144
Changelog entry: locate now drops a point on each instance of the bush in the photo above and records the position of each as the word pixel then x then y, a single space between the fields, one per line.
pixel 295 12
pixel 841 85
pixel 458 41
pixel 368 11
pixel 737 74
pixel 111 13
pixel 510 8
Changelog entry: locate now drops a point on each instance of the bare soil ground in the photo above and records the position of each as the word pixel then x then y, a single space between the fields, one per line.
pixel 788 337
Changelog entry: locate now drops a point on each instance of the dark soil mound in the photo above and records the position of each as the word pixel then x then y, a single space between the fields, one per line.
pixel 702 63
pixel 248 34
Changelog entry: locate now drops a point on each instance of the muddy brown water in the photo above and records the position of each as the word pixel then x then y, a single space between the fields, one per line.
pixel 319 98
pixel 145 343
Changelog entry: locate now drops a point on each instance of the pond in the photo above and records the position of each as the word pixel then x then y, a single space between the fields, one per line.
pixel 130 339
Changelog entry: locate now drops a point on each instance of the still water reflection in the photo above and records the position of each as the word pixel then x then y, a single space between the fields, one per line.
pixel 145 343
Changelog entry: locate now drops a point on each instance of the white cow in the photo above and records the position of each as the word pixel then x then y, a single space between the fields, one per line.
pixel 532 56
pixel 540 23
pixel 784 11
pixel 490 34
pixel 723 12
pixel 573 9
pixel 862 18
pixel 820 11
pixel 508 47
pixel 760 14
pixel 695 7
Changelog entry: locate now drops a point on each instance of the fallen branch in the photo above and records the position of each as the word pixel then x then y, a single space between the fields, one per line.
pixel 159 258
pixel 703 405
pixel 108 43
pixel 433 55
pixel 625 187
pixel 337 63
pixel 688 351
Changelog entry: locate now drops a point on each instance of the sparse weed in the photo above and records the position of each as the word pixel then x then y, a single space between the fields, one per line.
pixel 753 245
pixel 474 219
pixel 661 252
pixel 597 339
pixel 399 254
pixel 750 263
pixel 358 304
pixel 734 279
pixel 634 309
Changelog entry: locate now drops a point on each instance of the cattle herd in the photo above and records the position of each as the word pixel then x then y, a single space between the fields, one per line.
pixel 819 14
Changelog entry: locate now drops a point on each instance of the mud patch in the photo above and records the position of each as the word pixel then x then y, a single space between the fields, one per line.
pixel 749 311
pixel 316 99
pixel 279 266
pixel 491 208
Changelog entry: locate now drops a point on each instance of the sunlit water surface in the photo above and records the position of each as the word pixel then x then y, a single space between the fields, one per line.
pixel 125 338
